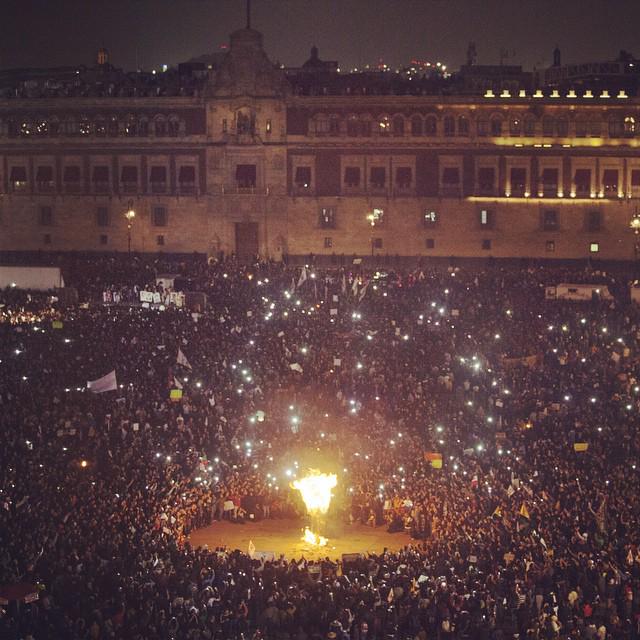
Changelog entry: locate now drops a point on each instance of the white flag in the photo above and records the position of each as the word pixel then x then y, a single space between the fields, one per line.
pixel 303 276
pixel 354 287
pixel 106 383
pixel 252 549
pixel 295 367
pixel 176 383
pixel 363 292
pixel 182 359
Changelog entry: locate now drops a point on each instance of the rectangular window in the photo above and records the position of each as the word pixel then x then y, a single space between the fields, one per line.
pixel 102 216
pixel 268 126
pixel 550 220
pixel 403 177
pixel 376 217
pixel 158 179
pixel 377 243
pixel 582 181
pixel 44 178
pixel 187 179
pixel 486 180
pixel 610 182
pixel 486 245
pixel 430 243
pixel 518 181
pixel 225 126
pixel 327 218
pixel 160 241
pixel 46 239
pixel 485 218
pixel 100 174
pixel 451 176
pixel 129 178
pixel 352 176
pixel 635 177
pixel 246 176
pixel 550 183
pixel 429 218
pixel 328 243
pixel 18 178
pixel 160 217
pixel 594 221
pixel 104 239
pixel 594 247
pixel 46 216
pixel 378 177
pixel 71 176
pixel 550 246
pixel 483 127
pixel 303 177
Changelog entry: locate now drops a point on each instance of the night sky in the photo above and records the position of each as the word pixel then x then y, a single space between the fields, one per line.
pixel 149 33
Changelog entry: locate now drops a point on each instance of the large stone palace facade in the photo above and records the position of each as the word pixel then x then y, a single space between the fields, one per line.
pixel 250 163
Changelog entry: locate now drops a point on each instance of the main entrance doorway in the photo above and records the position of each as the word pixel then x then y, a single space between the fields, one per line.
pixel 247 245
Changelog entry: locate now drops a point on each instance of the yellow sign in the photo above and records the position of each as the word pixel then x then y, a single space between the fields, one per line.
pixel 580 446
pixel 57 324
pixel 175 394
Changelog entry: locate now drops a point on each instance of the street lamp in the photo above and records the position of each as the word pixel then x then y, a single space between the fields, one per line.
pixel 130 214
pixel 372 221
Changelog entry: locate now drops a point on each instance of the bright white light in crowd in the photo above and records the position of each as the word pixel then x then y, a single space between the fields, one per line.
pixel 247 444
pixel 497 336
pixel 67 341
pixel 316 491
pixel 455 467
pixel 24 377
pixel 158 455
pixel 198 384
pixel 593 399
pixel 567 398
pixel 295 419
pixel 479 447
pixel 500 452
pixel 168 458
pixel 604 329
pixel 439 429
pixel 18 352
pixel 369 337
pixel 392 442
pixel 304 350
pixel 565 328
pixel 550 327
pixel 583 320
pixel 359 365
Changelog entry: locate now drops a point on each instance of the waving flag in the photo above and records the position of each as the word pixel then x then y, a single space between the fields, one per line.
pixel 106 383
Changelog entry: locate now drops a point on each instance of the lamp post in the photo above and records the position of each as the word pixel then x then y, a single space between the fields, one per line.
pixel 130 214
pixel 634 225
pixel 372 221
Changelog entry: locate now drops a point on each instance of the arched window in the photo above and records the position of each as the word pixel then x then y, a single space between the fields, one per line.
pixel 616 127
pixel 174 126
pixel 84 126
pixel 398 126
pixel 629 125
pixel 449 126
pixel 131 126
pixel 463 126
pixel 529 126
pixel 41 126
pixel 496 126
pixel 365 127
pixel 384 126
pixel 160 126
pixel 334 125
pixel 321 125
pixel 352 126
pixel 100 126
pixel 113 126
pixel 562 127
pixel 416 125
pixel 548 126
pixel 54 126
pixel 143 127
pixel 515 126
pixel 430 126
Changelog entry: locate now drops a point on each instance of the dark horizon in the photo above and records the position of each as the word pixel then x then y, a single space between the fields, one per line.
pixel 146 34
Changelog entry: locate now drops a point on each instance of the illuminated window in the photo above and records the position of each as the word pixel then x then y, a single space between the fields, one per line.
pixel 594 247
pixel 327 218
pixel 629 125
pixel 328 242
pixel 610 182
pixel 384 126
pixel 18 178
pixel 486 218
pixel 429 218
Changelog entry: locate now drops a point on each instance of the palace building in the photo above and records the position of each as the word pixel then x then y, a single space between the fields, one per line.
pixel 250 158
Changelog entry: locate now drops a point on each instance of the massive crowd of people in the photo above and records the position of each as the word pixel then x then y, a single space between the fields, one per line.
pixel 496 426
